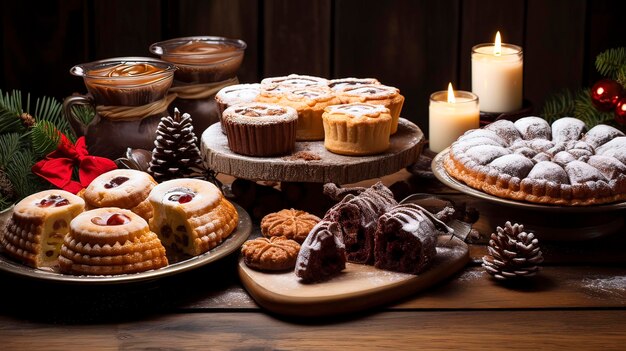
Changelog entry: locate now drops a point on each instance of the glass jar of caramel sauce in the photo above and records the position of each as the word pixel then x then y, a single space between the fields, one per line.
pixel 205 66
pixel 129 96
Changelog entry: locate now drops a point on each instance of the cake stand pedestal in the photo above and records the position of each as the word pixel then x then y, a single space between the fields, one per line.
pixel 311 162
pixel 548 222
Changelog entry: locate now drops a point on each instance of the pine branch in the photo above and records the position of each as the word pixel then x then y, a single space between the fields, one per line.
pixel 84 113
pixel 9 145
pixel 558 105
pixel 610 62
pixel 19 172
pixel 4 203
pixel 44 138
pixel 10 110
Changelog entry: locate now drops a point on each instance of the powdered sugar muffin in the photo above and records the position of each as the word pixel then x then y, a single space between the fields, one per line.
pixel 356 129
pixel 343 83
pixel 108 241
pixel 122 188
pixel 235 95
pixel 294 81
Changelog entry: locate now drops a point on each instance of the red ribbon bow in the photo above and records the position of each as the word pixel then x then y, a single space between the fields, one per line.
pixel 58 165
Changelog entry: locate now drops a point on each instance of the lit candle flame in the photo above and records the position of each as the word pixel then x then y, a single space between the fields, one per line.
pixel 497 48
pixel 451 98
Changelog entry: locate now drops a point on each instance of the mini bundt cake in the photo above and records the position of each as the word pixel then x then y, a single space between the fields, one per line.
pixel 357 216
pixel 123 188
pixel 406 239
pixel 290 223
pixel 35 232
pixel 270 254
pixel 110 241
pixel 533 161
pixel 322 254
pixel 191 216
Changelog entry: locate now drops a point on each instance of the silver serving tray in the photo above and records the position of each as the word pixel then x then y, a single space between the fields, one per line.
pixel 232 243
pixel 442 175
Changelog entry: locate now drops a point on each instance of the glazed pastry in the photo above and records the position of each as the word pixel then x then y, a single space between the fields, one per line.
pixel 109 241
pixel 191 216
pixel 294 81
pixel 260 129
pixel 532 161
pixel 356 129
pixel 35 232
pixel 292 224
pixel 123 188
pixel 235 95
pixel 357 216
pixel 406 239
pixel 322 254
pixel 376 94
pixel 274 254
pixel 340 84
pixel 310 103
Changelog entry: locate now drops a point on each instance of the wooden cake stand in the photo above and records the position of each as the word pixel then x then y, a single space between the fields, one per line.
pixel 311 162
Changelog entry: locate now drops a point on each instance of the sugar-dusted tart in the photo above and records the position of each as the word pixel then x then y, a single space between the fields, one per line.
pixel 310 103
pixel 356 129
pixel 235 95
pixel 534 161
pixel 273 93
pixel 377 94
pixel 123 188
pixel 260 129
pixel 342 83
pixel 35 232
pixel 294 81
pixel 191 216
pixel 110 241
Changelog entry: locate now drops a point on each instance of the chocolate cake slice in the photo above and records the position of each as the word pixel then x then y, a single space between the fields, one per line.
pixel 357 215
pixel 406 238
pixel 322 254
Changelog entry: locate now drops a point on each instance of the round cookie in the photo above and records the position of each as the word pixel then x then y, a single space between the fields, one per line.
pixel 290 223
pixel 274 254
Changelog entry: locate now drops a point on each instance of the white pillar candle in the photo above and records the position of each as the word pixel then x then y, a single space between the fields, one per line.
pixel 450 115
pixel 497 76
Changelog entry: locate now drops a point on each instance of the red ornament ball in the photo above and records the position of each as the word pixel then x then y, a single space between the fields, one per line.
pixel 605 93
pixel 620 111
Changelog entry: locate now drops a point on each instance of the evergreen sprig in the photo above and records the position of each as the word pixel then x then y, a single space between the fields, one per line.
pixel 611 64
pixel 22 144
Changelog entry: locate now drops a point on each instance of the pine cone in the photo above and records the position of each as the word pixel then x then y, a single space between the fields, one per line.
pixel 175 153
pixel 27 120
pixel 512 253
pixel 7 190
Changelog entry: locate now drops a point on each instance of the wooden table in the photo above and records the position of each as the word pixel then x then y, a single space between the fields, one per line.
pixel 577 302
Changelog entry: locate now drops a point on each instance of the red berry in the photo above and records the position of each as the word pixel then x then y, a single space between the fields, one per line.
pixel 185 198
pixel 63 202
pixel 620 111
pixel 115 182
pixel 118 219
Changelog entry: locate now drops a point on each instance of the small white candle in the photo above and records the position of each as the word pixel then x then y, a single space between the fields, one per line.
pixel 497 76
pixel 450 115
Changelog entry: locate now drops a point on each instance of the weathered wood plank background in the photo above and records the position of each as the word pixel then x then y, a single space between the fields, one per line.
pixel 417 46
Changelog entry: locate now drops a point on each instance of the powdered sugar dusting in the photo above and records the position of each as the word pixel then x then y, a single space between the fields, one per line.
pixel 613 286
pixel 472 275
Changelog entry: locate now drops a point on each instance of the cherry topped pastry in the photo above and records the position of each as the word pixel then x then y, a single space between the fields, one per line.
pixel 123 188
pixel 35 232
pixel 109 241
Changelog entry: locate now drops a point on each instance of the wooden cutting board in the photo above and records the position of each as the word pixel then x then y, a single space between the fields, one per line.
pixel 357 288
